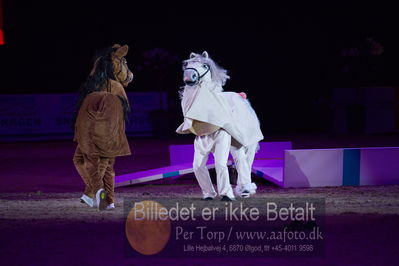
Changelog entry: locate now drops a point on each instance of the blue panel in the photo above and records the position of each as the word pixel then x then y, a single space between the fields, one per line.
pixel 351 167
pixel 170 174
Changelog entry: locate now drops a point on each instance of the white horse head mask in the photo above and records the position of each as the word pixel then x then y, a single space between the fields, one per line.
pixel 200 68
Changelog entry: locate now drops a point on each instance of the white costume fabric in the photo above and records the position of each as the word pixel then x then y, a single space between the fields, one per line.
pixel 227 110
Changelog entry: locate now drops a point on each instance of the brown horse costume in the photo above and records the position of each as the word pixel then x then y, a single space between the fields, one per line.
pixel 100 123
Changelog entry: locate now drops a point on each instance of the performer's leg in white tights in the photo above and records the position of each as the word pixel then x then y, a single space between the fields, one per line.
pixel 218 143
pixel 221 155
pixel 251 150
pixel 202 148
pixel 243 159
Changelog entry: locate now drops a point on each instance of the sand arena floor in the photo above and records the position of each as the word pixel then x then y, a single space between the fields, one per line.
pixel 42 221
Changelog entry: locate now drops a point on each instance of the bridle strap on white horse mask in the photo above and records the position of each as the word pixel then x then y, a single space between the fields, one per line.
pixel 196 79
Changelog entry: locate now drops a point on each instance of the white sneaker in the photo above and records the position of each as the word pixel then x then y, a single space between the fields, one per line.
pixel 101 203
pixel 245 191
pixel 87 200
pixel 111 206
pixel 245 194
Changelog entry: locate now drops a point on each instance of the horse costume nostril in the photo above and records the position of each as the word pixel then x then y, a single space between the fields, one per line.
pixel 189 83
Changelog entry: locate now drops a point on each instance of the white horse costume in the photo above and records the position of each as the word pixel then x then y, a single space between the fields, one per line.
pixel 222 122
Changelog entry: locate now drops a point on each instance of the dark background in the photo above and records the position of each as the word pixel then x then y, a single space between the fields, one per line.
pixel 287 57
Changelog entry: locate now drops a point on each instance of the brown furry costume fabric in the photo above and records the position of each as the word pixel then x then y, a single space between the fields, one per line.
pixel 100 128
pixel 100 125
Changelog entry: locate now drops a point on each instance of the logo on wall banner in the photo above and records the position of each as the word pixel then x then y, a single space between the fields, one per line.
pixel 32 115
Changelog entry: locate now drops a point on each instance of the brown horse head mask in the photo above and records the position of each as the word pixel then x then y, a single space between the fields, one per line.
pixel 119 63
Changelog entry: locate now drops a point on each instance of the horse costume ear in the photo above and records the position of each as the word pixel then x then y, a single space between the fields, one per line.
pixel 192 55
pixel 205 54
pixel 121 51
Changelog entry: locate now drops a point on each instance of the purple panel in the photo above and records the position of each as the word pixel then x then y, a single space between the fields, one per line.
pixel 268 163
pixel 379 166
pixel 270 150
pixel 313 168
